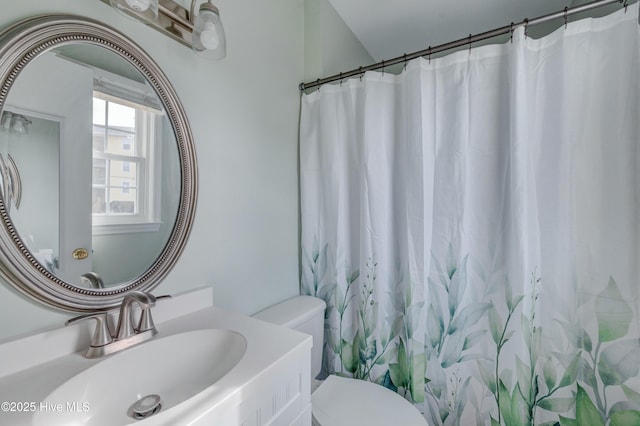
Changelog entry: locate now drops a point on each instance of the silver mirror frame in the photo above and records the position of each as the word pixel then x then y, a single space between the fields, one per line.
pixel 19 44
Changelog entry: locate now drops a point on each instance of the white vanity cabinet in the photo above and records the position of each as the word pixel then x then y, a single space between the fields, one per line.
pixel 280 395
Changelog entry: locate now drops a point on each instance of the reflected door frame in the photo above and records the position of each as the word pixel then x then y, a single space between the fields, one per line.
pixel 71 99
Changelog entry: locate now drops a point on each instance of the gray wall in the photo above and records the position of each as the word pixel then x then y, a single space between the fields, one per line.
pixel 329 45
pixel 244 116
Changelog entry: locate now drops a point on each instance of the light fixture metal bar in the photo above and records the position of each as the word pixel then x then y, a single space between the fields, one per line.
pixel 173 11
pixel 174 21
pixel 458 43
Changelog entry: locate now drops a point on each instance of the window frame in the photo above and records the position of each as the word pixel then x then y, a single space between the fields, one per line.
pixel 113 88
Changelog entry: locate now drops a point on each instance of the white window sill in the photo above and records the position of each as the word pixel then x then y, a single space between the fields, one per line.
pixel 130 228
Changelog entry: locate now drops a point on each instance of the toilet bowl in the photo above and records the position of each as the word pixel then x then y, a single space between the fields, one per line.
pixel 340 401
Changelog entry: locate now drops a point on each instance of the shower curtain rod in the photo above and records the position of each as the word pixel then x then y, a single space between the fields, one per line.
pixel 461 42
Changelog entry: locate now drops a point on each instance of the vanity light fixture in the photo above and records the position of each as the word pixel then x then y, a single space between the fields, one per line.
pixel 17 123
pixel 203 32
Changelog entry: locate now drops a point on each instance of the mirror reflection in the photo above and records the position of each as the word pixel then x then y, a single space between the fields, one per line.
pixel 89 166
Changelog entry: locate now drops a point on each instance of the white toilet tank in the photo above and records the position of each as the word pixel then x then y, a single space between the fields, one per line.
pixel 305 314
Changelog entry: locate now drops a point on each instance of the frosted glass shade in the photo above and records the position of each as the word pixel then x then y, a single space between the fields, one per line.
pixel 147 9
pixel 208 33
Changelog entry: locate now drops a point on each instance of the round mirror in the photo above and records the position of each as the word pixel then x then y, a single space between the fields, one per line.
pixel 97 166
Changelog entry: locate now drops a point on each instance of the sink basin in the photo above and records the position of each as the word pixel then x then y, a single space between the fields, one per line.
pixel 175 368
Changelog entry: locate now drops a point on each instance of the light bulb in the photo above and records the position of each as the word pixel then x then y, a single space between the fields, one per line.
pixel 19 124
pixel 139 5
pixel 209 37
pixel 136 9
pixel 6 120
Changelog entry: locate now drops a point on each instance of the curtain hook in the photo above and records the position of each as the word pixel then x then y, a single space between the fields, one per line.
pixel 405 61
pixel 526 28
pixel 429 54
pixel 626 5
pixel 361 73
pixel 566 16
pixel 511 32
pixel 340 79
pixel 383 67
pixel 469 43
pixel 318 84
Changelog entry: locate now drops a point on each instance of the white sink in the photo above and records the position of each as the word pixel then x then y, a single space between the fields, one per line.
pixel 175 368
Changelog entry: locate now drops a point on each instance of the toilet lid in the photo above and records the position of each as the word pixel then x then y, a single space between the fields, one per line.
pixel 346 402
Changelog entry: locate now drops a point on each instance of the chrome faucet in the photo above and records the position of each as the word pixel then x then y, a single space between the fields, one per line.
pixel 92 279
pixel 127 333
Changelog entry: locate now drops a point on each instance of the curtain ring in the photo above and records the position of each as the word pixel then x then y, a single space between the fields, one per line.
pixel 511 32
pixel 566 16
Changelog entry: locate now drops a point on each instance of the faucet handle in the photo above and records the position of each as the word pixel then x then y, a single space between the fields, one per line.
pixel 146 321
pixel 102 334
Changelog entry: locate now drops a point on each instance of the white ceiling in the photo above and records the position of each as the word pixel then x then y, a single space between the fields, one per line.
pixel 390 28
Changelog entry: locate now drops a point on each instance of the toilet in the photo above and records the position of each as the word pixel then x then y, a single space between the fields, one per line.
pixel 340 401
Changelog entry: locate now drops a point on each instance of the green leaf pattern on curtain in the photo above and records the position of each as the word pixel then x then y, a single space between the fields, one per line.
pixel 572 386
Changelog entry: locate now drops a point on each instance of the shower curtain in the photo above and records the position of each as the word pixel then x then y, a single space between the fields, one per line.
pixel 473 225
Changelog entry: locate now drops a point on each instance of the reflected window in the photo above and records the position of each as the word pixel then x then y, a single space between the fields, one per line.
pixel 124 143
